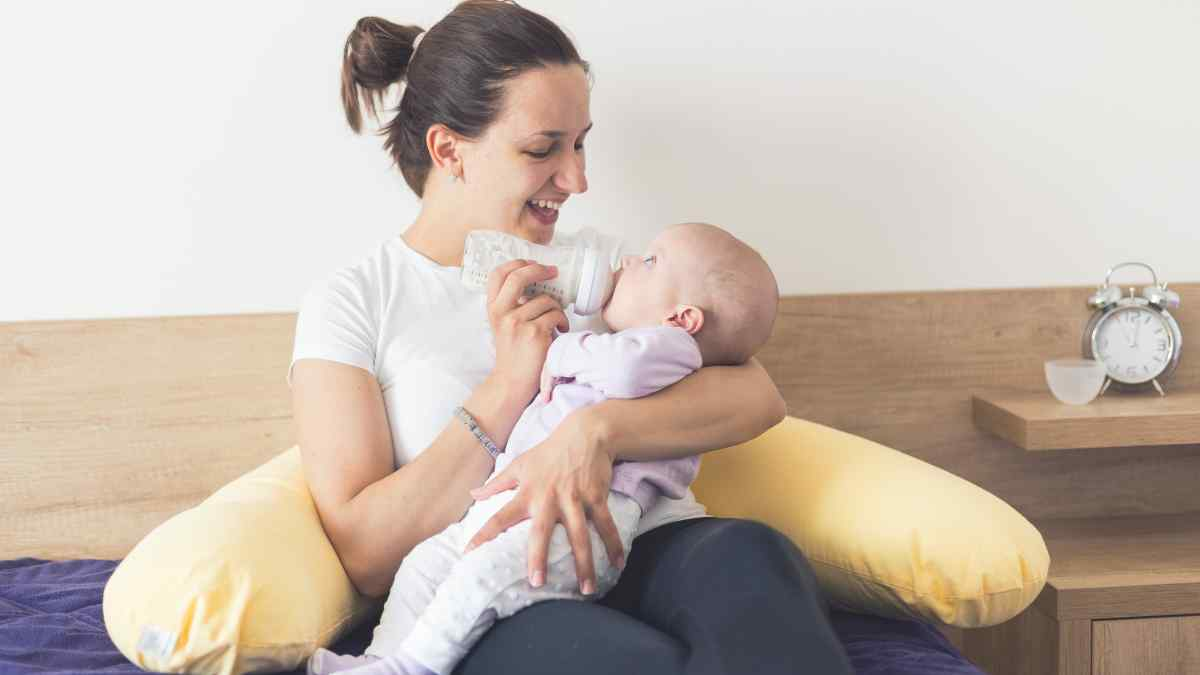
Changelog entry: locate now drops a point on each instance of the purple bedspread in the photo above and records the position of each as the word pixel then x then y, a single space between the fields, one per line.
pixel 50 622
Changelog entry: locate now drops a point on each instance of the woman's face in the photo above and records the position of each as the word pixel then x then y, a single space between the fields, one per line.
pixel 531 159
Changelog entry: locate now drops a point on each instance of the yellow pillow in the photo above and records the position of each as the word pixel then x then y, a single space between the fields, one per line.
pixel 247 581
pixel 886 533
pixel 244 582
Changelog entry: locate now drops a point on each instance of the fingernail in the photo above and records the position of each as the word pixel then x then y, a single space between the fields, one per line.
pixel 537 580
pixel 621 563
pixel 588 588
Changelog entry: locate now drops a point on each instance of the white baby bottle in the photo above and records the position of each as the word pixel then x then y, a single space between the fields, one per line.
pixel 586 261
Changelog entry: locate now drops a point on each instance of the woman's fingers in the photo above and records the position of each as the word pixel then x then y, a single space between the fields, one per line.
pixel 544 520
pixel 555 318
pixel 581 545
pixel 497 276
pixel 496 485
pixel 517 280
pixel 512 513
pixel 606 527
pixel 545 381
pixel 536 306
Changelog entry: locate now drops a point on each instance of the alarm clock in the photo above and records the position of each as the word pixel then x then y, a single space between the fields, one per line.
pixel 1134 336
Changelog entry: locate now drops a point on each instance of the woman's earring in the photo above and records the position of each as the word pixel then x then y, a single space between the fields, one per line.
pixel 453 178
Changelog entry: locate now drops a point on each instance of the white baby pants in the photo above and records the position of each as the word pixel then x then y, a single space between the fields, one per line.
pixel 442 602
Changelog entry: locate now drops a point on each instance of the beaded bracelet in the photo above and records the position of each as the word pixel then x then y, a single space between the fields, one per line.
pixel 462 414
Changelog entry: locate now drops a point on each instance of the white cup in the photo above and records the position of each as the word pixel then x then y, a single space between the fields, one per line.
pixel 1075 381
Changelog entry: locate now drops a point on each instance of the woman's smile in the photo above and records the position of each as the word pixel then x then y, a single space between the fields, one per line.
pixel 544 212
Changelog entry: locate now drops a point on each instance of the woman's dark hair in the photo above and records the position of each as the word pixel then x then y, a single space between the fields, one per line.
pixel 457 78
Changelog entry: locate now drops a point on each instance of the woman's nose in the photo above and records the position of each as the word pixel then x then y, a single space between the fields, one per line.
pixel 572 174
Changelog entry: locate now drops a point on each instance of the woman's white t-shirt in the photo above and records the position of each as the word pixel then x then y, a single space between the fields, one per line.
pixel 425 337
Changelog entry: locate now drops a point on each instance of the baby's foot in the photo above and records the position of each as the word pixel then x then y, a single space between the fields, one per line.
pixel 396 664
pixel 323 662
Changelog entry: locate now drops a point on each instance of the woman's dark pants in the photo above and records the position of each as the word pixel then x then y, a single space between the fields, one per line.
pixel 703 596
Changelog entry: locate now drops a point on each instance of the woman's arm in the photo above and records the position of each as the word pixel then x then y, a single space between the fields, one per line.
pixel 714 407
pixel 566 477
pixel 373 515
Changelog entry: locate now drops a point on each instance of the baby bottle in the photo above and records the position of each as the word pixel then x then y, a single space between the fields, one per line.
pixel 585 265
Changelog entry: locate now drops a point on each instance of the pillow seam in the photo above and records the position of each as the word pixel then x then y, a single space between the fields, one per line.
pixel 901 586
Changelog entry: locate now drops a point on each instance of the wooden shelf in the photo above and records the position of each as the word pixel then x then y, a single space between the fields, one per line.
pixel 1122 566
pixel 1122 596
pixel 1037 421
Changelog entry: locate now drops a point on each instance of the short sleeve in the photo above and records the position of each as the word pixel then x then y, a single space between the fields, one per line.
pixel 338 322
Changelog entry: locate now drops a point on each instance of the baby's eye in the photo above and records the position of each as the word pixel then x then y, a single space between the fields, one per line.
pixel 649 260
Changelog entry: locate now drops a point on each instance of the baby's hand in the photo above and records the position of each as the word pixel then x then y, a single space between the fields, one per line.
pixel 547 384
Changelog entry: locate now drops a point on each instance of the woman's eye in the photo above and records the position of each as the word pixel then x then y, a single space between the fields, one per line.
pixel 545 154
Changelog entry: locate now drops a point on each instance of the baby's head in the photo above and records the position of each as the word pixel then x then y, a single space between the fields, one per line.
pixel 702 279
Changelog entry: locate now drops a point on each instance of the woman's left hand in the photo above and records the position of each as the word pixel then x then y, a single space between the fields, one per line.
pixel 566 479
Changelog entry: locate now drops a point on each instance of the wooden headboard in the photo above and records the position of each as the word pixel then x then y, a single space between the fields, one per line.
pixel 108 427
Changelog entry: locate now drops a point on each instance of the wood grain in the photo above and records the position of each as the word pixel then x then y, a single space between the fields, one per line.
pixel 1128 566
pixel 1073 647
pixel 1168 645
pixel 109 427
pixel 899 368
pixel 1031 644
pixel 1102 570
pixel 1037 421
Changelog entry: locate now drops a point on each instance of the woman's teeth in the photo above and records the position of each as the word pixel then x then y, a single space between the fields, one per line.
pixel 545 204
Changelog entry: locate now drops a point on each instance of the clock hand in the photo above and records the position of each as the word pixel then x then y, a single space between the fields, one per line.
pixel 1124 331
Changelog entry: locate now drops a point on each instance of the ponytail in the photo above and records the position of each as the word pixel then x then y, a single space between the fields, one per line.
pixel 376 57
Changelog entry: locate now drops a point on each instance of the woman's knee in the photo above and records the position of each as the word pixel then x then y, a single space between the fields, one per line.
pixel 756 550
pixel 725 583
pixel 573 637
pixel 752 538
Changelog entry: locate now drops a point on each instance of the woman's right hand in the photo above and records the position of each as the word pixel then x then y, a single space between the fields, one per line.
pixel 522 329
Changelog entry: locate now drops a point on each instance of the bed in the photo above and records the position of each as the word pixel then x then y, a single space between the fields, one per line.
pixel 50 622
pixel 109 427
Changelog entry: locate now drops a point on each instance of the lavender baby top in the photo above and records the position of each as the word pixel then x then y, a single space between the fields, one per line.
pixel 426 338
pixel 593 367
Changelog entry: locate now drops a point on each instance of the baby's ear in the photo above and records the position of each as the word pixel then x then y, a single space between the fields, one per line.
pixel 687 317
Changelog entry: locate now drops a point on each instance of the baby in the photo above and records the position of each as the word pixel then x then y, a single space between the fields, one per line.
pixel 698 297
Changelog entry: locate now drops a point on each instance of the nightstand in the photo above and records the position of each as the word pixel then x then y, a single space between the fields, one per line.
pixel 1123 594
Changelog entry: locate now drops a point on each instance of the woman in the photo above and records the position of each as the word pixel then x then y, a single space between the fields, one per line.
pixel 489 132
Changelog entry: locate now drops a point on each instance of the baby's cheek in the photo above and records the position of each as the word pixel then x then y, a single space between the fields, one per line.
pixel 612 315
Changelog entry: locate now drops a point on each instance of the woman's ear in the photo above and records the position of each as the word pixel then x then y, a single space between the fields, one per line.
pixel 687 317
pixel 445 150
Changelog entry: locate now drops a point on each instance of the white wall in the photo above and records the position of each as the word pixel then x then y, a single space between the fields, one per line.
pixel 192 158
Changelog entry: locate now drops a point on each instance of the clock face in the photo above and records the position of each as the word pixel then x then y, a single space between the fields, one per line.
pixel 1134 343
